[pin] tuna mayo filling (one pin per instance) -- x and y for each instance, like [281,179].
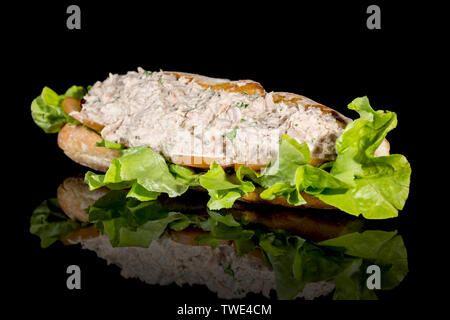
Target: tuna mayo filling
[177,117]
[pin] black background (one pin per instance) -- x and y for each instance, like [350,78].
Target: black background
[322,50]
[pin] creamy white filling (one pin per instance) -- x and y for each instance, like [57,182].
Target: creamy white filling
[180,117]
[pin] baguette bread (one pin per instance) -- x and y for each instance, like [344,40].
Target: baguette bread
[175,257]
[78,143]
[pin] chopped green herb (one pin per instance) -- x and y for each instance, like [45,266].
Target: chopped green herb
[241,104]
[147,73]
[160,81]
[245,93]
[229,271]
[243,120]
[296,124]
[232,134]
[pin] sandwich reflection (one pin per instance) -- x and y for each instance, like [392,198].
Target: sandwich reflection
[275,251]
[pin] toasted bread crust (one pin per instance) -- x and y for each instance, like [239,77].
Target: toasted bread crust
[252,87]
[78,144]
[311,202]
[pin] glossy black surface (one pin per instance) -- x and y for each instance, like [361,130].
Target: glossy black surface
[323,51]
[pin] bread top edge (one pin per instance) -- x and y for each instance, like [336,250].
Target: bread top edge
[286,97]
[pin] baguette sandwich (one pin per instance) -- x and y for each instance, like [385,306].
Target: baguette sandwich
[155,133]
[250,248]
[200,181]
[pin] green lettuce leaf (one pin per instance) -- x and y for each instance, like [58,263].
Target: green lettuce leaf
[185,175]
[380,184]
[131,223]
[47,111]
[380,247]
[224,190]
[223,226]
[291,155]
[144,234]
[292,174]
[344,259]
[244,246]
[285,190]
[144,170]
[109,145]
[96,181]
[357,182]
[50,223]
[314,181]
[295,261]
[186,221]
[351,281]
[281,257]
[77,92]
[142,194]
